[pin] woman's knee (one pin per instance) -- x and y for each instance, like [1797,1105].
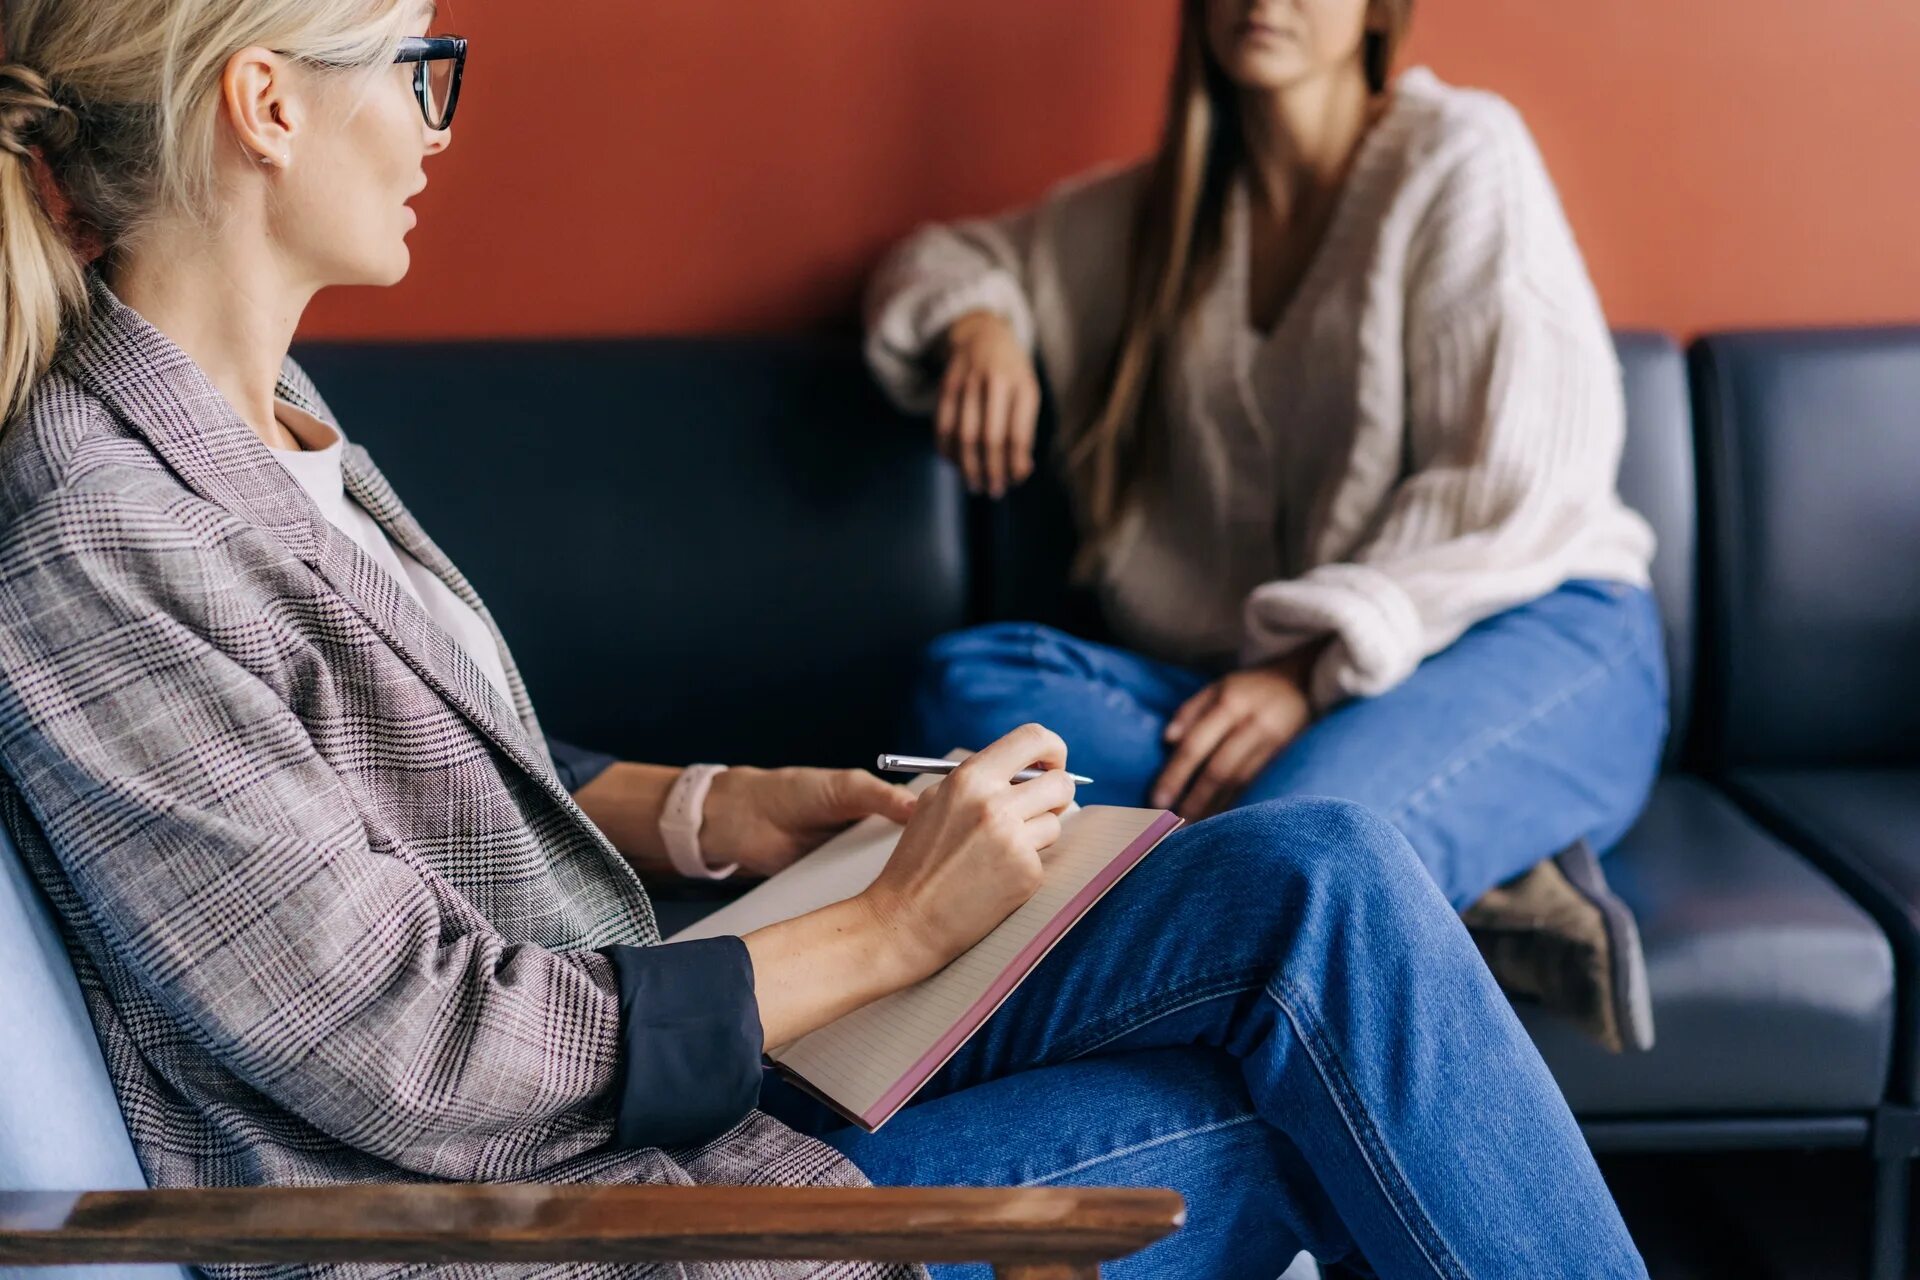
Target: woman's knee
[974,685]
[993,665]
[1292,829]
[1314,850]
[1006,648]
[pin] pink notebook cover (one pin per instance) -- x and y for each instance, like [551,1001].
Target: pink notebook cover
[1016,971]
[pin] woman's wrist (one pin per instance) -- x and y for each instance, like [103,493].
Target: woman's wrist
[899,942]
[682,819]
[970,325]
[1297,665]
[815,968]
[729,817]
[625,801]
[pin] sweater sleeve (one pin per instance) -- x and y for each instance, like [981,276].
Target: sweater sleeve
[1514,423]
[938,274]
[1055,271]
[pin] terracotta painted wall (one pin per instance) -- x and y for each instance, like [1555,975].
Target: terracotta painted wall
[654,166]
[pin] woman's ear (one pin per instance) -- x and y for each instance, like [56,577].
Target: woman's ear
[255,98]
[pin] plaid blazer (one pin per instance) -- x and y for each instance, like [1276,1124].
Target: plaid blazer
[335,917]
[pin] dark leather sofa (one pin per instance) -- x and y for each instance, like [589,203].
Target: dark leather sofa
[733,550]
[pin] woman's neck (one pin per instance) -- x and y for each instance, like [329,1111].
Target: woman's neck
[1301,139]
[230,309]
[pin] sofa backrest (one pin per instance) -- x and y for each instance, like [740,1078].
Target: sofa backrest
[643,514]
[60,1125]
[1810,449]
[1657,480]
[698,549]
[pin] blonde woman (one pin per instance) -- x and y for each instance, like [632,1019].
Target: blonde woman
[341,918]
[1341,421]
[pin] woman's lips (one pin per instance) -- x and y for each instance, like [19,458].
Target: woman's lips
[1254,30]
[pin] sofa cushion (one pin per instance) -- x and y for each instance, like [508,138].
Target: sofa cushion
[698,549]
[1863,827]
[1810,443]
[60,1124]
[1772,990]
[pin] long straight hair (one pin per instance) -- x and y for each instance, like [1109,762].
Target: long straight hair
[1179,237]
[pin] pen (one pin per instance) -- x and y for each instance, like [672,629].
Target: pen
[927,764]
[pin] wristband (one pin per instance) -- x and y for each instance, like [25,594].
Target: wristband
[681,818]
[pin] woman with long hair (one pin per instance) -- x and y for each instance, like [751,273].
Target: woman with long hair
[1340,419]
[343,914]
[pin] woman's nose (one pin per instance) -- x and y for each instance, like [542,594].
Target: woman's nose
[438,140]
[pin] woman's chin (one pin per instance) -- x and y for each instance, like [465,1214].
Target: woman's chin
[395,269]
[388,269]
[1261,71]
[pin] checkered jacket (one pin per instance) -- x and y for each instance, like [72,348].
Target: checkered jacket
[335,916]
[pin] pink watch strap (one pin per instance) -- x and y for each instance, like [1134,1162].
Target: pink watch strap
[681,818]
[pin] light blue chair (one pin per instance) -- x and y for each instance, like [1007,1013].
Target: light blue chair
[61,1131]
[60,1125]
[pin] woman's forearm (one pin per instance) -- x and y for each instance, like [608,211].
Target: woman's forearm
[625,803]
[815,968]
[808,970]
[968,859]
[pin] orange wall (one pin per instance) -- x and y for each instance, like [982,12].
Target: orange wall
[650,166]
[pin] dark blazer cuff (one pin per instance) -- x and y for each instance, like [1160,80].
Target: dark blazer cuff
[690,1027]
[576,765]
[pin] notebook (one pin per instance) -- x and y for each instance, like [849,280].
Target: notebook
[867,1064]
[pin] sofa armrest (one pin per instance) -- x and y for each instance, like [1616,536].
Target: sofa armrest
[1032,1232]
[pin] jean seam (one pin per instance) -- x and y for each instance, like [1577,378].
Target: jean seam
[1164,1005]
[1386,1171]
[1158,1140]
[1476,753]
[1034,639]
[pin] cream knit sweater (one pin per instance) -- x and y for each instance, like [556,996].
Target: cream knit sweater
[1430,435]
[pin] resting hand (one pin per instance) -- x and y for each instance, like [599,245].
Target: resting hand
[971,855]
[1223,736]
[766,819]
[989,404]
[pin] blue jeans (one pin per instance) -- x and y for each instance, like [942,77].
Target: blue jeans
[1538,727]
[1279,1015]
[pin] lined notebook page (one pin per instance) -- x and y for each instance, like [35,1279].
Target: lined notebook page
[872,1060]
[839,869]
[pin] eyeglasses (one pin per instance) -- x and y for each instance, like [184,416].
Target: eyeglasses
[439,63]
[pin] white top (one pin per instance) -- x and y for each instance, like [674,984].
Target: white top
[1431,433]
[317,468]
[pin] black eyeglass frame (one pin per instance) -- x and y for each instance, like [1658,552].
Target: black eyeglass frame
[420,50]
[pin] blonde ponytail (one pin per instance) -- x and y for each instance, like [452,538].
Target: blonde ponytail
[42,288]
[110,112]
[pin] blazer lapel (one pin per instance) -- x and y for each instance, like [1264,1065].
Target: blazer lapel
[434,655]
[157,389]
[368,487]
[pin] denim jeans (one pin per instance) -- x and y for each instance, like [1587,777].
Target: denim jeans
[1279,1015]
[1538,727]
